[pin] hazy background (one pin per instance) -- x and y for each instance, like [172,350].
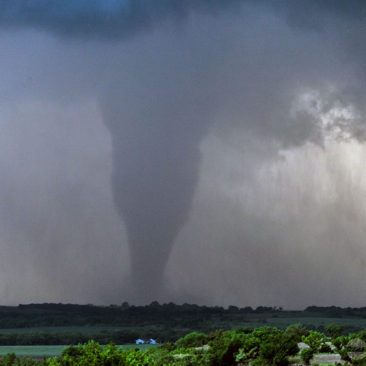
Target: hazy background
[218,149]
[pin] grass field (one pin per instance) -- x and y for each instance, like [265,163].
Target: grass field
[32,350]
[50,351]
[250,321]
[280,320]
[283,322]
[69,329]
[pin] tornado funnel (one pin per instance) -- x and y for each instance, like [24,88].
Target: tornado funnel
[155,170]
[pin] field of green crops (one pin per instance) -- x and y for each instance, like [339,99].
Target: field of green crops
[32,350]
[50,351]
[68,329]
[251,321]
[156,331]
[314,322]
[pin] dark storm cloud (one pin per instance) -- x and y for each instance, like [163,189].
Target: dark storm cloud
[100,18]
[120,18]
[248,90]
[318,14]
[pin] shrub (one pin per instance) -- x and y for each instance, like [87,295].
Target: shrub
[297,331]
[276,348]
[8,360]
[344,354]
[193,339]
[334,331]
[359,360]
[340,342]
[12,360]
[325,348]
[314,340]
[307,354]
[224,346]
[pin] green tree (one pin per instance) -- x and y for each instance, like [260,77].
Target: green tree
[334,330]
[306,355]
[297,331]
[193,339]
[314,340]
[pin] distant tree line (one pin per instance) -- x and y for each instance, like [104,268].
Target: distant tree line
[165,322]
[38,315]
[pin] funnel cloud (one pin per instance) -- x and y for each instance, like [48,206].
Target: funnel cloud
[190,151]
[155,171]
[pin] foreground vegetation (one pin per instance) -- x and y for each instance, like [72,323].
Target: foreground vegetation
[264,346]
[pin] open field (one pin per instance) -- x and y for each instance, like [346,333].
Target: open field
[249,321]
[50,351]
[32,351]
[283,321]
[68,329]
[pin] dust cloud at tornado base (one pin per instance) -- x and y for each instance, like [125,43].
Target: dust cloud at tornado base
[264,152]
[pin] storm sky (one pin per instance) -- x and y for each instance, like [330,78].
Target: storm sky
[202,151]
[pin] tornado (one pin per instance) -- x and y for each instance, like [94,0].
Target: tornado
[156,160]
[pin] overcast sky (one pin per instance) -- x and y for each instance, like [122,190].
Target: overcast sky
[190,151]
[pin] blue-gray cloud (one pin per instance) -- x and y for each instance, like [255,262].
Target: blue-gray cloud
[100,18]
